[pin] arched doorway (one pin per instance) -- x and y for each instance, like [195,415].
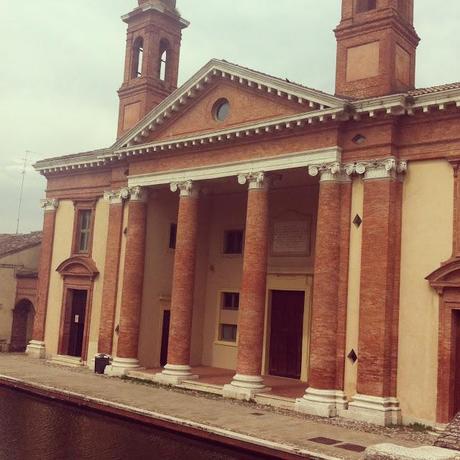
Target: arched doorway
[23,322]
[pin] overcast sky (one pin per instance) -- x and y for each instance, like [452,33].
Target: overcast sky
[62,62]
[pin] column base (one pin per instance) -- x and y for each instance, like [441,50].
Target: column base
[36,349]
[121,366]
[175,374]
[323,403]
[374,409]
[245,387]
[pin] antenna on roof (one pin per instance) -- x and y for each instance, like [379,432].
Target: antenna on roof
[23,173]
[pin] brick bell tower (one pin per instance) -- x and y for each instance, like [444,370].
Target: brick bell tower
[376,47]
[152,59]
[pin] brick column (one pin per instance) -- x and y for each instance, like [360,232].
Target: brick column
[36,347]
[180,330]
[111,270]
[248,380]
[325,396]
[379,299]
[133,277]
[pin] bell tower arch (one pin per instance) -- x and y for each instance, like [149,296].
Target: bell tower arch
[376,48]
[152,59]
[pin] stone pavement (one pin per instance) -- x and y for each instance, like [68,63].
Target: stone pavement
[237,420]
[450,438]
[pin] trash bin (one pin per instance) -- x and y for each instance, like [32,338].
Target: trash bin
[101,362]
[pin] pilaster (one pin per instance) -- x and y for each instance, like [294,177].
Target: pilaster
[36,347]
[375,400]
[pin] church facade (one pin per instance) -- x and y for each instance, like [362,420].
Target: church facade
[248,224]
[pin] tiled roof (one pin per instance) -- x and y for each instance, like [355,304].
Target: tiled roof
[10,244]
[434,89]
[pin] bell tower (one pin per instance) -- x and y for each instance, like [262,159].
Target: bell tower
[152,59]
[376,48]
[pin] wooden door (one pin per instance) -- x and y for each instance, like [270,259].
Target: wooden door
[285,355]
[456,345]
[77,322]
[165,338]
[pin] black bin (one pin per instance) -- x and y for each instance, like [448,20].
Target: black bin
[100,363]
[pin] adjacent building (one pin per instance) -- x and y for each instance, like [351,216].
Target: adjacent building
[19,256]
[244,230]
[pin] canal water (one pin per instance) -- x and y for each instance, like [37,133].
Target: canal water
[33,428]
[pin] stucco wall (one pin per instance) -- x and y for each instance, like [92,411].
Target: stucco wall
[27,259]
[61,251]
[98,254]
[427,226]
[354,267]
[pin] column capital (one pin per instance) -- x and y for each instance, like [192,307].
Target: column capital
[186,188]
[329,172]
[384,168]
[117,197]
[257,180]
[138,194]
[49,204]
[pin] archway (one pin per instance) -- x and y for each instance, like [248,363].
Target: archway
[23,321]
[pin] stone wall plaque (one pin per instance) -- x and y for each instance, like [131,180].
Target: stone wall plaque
[291,238]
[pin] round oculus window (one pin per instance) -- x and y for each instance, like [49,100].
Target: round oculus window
[221,110]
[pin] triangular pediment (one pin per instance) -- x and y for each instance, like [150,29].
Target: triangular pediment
[253,97]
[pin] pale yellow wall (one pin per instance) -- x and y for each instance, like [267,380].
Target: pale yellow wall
[161,213]
[354,272]
[27,259]
[98,254]
[61,251]
[427,226]
[228,212]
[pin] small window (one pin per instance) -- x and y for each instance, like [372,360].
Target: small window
[365,5]
[230,301]
[221,110]
[164,57]
[84,230]
[138,57]
[228,332]
[233,242]
[172,236]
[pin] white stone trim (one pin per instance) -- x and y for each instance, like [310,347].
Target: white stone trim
[49,204]
[121,366]
[329,172]
[374,409]
[117,197]
[245,387]
[138,193]
[36,349]
[289,161]
[186,188]
[324,403]
[256,181]
[174,374]
[385,168]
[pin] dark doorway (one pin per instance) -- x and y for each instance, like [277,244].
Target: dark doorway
[165,338]
[456,345]
[77,322]
[21,330]
[286,333]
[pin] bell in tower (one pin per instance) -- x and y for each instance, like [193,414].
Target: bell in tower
[152,59]
[376,48]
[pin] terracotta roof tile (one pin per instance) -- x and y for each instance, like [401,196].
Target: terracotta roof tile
[10,244]
[434,89]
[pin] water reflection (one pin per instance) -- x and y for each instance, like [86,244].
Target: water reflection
[37,429]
